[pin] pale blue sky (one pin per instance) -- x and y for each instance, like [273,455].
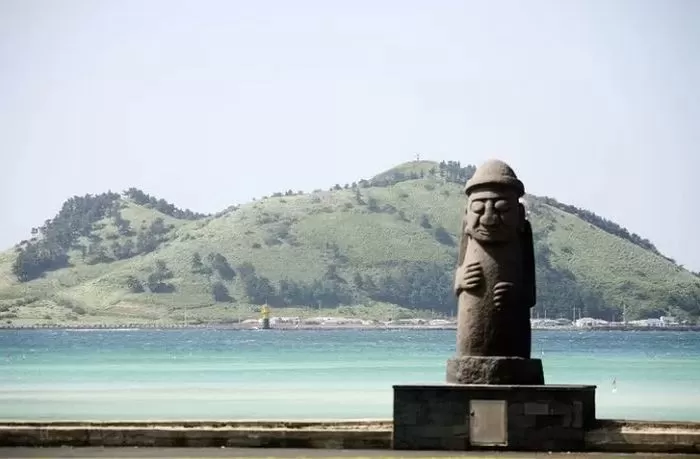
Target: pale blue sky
[211,103]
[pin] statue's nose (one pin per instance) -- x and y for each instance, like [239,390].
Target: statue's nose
[489,218]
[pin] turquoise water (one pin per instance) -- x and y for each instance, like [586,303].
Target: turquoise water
[307,374]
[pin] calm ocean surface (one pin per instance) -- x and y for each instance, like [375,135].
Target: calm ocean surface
[334,374]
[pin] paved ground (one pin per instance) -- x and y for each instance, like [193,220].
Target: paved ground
[201,453]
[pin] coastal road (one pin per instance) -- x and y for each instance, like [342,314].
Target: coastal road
[202,453]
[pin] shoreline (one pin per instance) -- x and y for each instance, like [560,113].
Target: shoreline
[305,327]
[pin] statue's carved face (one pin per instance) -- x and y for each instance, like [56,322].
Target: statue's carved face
[493,215]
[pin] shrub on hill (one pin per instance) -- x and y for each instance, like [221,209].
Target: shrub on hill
[134,285]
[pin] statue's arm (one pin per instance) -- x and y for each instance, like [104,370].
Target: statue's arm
[529,284]
[468,276]
[459,272]
[464,239]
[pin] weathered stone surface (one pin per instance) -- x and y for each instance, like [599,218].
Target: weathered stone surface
[494,370]
[537,418]
[495,278]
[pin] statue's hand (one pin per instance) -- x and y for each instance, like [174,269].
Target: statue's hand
[501,293]
[469,277]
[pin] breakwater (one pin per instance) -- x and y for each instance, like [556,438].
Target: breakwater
[606,436]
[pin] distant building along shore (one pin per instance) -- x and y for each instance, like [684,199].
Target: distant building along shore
[331,323]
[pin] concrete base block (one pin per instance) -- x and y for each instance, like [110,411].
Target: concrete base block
[481,416]
[494,370]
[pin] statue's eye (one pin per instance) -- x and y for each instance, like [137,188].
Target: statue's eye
[477,207]
[502,205]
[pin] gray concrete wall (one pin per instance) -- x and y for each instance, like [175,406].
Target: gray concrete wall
[606,436]
[192,434]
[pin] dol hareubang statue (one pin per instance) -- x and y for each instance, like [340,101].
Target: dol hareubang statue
[495,284]
[495,396]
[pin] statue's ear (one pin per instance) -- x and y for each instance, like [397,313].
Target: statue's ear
[521,216]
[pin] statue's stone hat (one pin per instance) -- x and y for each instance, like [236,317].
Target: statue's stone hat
[495,172]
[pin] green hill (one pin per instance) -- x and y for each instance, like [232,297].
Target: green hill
[379,248]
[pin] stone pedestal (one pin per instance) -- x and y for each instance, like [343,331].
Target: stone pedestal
[495,370]
[485,416]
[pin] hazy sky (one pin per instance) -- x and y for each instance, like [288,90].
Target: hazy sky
[212,103]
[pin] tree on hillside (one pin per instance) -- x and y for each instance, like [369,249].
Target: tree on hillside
[419,285]
[450,171]
[198,266]
[358,281]
[358,197]
[123,226]
[370,286]
[258,289]
[35,259]
[197,261]
[58,235]
[158,227]
[156,280]
[123,251]
[161,205]
[291,293]
[604,224]
[443,237]
[220,292]
[146,242]
[220,264]
[331,290]
[372,204]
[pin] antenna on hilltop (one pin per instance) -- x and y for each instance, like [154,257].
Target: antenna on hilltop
[417,157]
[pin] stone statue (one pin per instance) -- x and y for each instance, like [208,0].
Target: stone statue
[495,284]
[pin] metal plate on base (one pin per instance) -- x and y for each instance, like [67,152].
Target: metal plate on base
[488,423]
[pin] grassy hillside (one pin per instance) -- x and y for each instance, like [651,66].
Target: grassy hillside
[381,248]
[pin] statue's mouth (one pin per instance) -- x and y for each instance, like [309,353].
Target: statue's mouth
[487,231]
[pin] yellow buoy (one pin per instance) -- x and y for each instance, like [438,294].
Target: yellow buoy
[265,317]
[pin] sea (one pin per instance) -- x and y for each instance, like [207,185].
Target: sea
[219,374]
